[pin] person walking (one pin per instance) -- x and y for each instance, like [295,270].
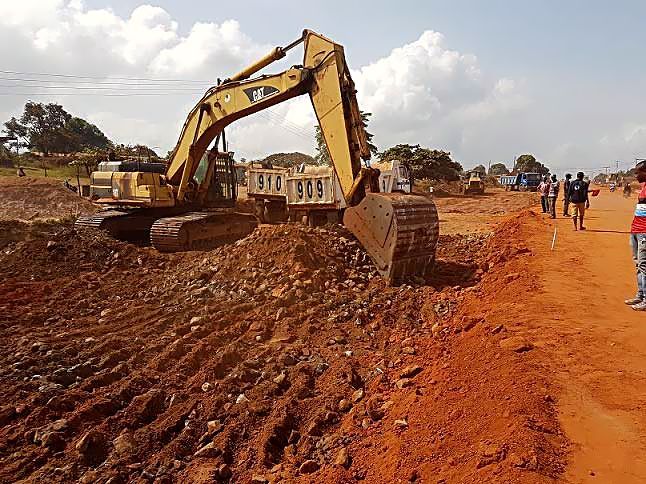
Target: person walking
[566,196]
[544,189]
[578,195]
[552,195]
[638,241]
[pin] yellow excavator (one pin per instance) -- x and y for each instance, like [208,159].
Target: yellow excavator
[190,204]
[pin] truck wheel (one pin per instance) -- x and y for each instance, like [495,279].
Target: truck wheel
[259,211]
[275,212]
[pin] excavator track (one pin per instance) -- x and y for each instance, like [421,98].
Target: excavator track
[200,230]
[98,220]
[399,231]
[128,225]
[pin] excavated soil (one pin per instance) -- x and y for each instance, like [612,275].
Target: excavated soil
[38,199]
[280,358]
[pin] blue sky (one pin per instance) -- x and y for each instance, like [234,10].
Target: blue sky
[574,70]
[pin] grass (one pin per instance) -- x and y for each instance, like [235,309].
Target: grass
[56,173]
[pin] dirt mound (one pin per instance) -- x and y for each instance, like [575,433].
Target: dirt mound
[47,250]
[288,160]
[282,356]
[31,199]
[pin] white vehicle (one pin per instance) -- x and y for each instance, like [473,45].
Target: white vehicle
[268,186]
[311,194]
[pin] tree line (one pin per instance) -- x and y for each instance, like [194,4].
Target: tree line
[49,128]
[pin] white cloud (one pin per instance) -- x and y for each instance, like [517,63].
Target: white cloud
[426,93]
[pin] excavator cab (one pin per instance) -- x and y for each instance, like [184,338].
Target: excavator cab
[216,172]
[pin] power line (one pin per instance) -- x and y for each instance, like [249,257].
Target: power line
[92,94]
[100,88]
[101,82]
[282,120]
[71,76]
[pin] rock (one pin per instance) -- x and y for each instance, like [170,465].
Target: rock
[516,343]
[294,437]
[344,405]
[92,447]
[342,458]
[358,395]
[54,441]
[308,467]
[400,424]
[402,383]
[410,371]
[468,322]
[258,479]
[490,454]
[51,245]
[375,409]
[209,450]
[213,426]
[408,350]
[207,387]
[195,320]
[60,425]
[497,329]
[7,413]
[242,398]
[280,378]
[512,277]
[125,444]
[223,472]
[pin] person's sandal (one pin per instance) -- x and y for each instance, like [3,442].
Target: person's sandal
[633,301]
[640,307]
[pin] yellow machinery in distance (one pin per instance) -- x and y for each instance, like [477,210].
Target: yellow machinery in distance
[190,205]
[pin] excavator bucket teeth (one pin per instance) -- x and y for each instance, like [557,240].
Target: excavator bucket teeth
[399,231]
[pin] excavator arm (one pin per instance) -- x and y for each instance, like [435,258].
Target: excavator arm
[324,75]
[399,231]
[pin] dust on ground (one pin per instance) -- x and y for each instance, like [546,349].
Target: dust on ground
[282,357]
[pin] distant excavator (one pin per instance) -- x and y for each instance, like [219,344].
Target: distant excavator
[189,204]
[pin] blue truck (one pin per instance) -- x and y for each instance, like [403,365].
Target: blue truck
[523,182]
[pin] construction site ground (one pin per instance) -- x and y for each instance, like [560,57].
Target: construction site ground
[285,358]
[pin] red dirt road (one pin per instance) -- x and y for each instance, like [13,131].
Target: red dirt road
[594,345]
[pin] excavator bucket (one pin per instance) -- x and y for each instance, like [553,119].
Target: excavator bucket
[399,231]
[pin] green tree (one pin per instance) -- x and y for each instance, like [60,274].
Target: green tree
[13,129]
[480,169]
[529,164]
[45,124]
[424,162]
[322,156]
[498,169]
[84,135]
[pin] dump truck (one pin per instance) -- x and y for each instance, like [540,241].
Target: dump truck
[192,204]
[312,194]
[524,182]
